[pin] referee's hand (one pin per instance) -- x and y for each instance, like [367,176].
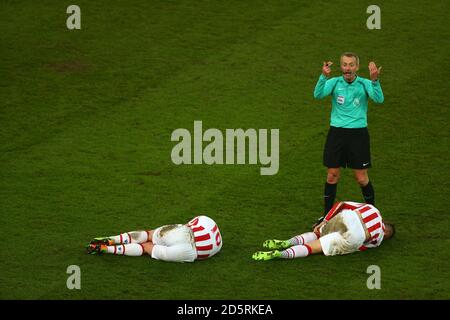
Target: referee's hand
[326,70]
[374,71]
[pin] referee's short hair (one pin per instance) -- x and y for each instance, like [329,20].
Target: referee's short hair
[351,54]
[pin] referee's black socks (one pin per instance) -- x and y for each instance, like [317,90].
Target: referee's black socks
[329,195]
[368,193]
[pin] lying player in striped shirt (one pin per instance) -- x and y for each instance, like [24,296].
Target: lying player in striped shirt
[348,227]
[198,239]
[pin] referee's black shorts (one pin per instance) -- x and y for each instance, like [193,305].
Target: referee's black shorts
[347,148]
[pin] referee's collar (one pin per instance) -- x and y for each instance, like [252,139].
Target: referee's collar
[354,80]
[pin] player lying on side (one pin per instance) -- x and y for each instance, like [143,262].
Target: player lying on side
[348,227]
[199,239]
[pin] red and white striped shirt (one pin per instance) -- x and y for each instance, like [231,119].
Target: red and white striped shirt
[370,216]
[208,239]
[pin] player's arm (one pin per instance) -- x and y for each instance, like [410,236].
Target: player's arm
[324,86]
[369,245]
[374,87]
[338,206]
[316,229]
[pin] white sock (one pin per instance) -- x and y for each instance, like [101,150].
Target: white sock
[299,251]
[132,249]
[131,237]
[303,238]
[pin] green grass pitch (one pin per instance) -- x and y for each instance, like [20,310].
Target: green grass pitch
[87,115]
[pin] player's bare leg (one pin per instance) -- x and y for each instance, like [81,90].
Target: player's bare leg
[148,247]
[316,247]
[362,177]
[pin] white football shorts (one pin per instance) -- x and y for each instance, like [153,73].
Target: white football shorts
[346,237]
[174,243]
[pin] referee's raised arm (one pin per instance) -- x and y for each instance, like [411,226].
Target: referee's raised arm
[375,93]
[326,68]
[324,87]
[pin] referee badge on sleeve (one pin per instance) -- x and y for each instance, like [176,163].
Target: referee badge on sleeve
[340,99]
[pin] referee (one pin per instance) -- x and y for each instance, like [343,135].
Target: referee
[348,143]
